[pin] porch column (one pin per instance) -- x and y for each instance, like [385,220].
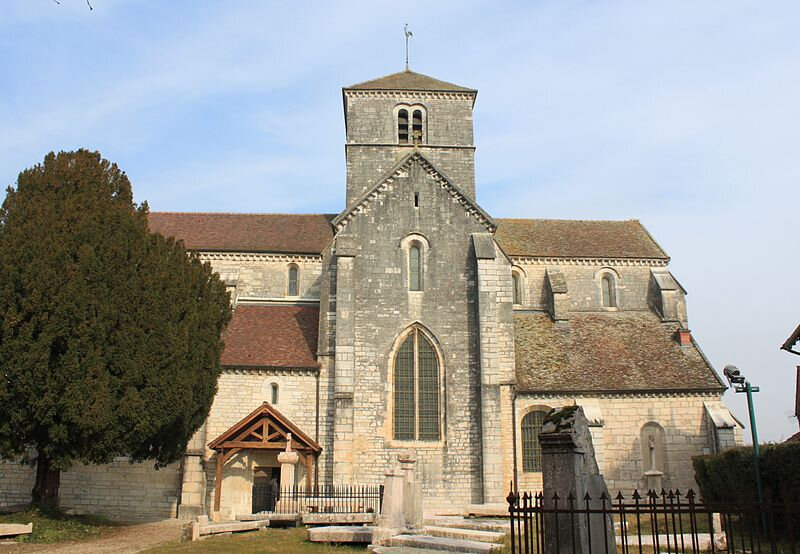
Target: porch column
[218,480]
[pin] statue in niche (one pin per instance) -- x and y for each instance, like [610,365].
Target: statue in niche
[651,445]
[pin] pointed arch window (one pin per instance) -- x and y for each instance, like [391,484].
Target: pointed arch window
[292,288]
[415,267]
[402,126]
[416,390]
[608,291]
[531,449]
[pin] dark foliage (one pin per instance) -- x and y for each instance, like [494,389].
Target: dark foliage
[109,335]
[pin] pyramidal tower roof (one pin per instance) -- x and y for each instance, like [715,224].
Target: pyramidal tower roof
[408,80]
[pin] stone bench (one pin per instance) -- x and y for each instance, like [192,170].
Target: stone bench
[197,530]
[15,529]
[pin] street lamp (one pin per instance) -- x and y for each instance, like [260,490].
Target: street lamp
[739,384]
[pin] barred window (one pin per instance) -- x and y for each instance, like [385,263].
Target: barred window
[292,288]
[414,268]
[416,390]
[531,449]
[607,284]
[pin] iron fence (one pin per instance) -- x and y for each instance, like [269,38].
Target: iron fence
[333,499]
[665,522]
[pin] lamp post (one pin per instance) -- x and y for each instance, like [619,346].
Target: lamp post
[739,384]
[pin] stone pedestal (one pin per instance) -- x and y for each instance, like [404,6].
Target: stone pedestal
[654,480]
[569,468]
[412,491]
[288,461]
[391,521]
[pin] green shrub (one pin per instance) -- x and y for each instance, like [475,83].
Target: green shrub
[730,476]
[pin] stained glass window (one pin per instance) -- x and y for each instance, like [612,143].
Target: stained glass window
[292,288]
[416,390]
[414,268]
[608,291]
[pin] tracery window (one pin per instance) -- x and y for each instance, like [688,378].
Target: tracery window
[416,390]
[531,449]
[608,291]
[415,267]
[292,288]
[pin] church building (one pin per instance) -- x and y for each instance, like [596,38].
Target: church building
[412,319]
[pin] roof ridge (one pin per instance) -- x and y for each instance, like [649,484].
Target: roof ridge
[570,220]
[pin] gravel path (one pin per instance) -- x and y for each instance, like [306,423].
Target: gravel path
[131,538]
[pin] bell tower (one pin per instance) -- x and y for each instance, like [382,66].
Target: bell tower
[388,117]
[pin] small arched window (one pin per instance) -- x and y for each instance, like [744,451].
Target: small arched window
[402,126]
[531,449]
[608,291]
[274,393]
[415,267]
[517,281]
[416,390]
[292,289]
[416,127]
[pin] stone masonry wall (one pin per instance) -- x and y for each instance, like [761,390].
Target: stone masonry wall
[619,449]
[266,276]
[119,490]
[239,392]
[383,307]
[583,284]
[372,148]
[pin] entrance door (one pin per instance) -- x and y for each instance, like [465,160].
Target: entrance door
[266,488]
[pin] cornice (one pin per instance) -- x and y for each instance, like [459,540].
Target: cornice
[623,262]
[258,257]
[259,370]
[703,393]
[440,95]
[341,221]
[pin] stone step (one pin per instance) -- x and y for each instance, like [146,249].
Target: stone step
[400,550]
[340,534]
[442,544]
[464,534]
[487,510]
[458,522]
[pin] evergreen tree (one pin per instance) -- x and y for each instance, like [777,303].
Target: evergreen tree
[109,334]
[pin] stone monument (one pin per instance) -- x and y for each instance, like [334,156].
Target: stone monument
[569,468]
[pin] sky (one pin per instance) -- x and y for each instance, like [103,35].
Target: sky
[682,114]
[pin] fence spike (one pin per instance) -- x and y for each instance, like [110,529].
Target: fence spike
[671,495]
[690,494]
[587,496]
[555,496]
[619,496]
[636,495]
[570,496]
[663,492]
[604,496]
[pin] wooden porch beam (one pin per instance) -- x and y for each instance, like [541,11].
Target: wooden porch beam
[218,481]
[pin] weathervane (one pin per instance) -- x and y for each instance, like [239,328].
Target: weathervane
[408,35]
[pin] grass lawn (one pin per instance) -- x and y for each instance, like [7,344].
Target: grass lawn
[283,541]
[52,526]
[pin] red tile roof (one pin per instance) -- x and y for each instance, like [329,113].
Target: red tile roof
[622,351]
[564,238]
[312,233]
[272,336]
[280,233]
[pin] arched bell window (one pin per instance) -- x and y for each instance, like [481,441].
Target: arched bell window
[531,449]
[416,127]
[608,291]
[416,389]
[402,126]
[292,288]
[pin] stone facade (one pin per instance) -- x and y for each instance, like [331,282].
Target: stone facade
[479,283]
